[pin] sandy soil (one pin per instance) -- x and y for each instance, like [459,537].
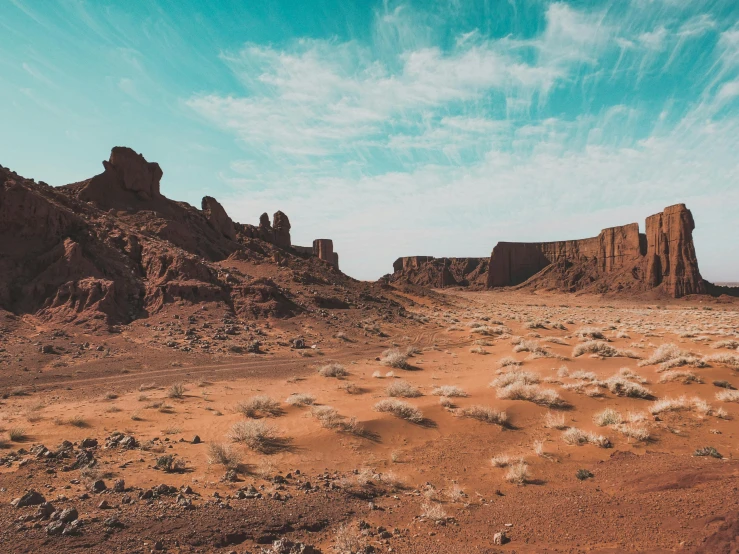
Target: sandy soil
[362,480]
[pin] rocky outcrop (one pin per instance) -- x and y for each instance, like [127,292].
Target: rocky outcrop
[281,230]
[217,217]
[323,249]
[618,258]
[671,260]
[440,272]
[112,248]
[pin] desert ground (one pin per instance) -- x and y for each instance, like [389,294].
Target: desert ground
[483,422]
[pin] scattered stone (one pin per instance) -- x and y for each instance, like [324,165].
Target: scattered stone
[31,498]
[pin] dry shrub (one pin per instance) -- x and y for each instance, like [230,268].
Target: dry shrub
[333,370]
[176,391]
[395,358]
[433,511]
[449,391]
[577,437]
[486,414]
[554,421]
[402,389]
[300,399]
[259,406]
[609,416]
[400,409]
[531,393]
[518,474]
[685,377]
[728,396]
[223,454]
[257,435]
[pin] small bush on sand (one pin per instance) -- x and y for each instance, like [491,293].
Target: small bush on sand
[395,358]
[684,377]
[531,393]
[583,474]
[508,361]
[728,396]
[609,416]
[500,461]
[518,474]
[176,391]
[663,353]
[590,333]
[602,349]
[449,391]
[554,421]
[223,454]
[576,437]
[433,511]
[257,435]
[327,416]
[486,415]
[400,409]
[259,406]
[669,405]
[347,540]
[621,386]
[17,434]
[300,399]
[402,389]
[333,370]
[515,376]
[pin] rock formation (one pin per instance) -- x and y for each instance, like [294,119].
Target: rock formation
[441,272]
[324,250]
[217,217]
[618,258]
[112,248]
[281,230]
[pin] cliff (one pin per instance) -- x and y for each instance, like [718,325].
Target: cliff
[619,258]
[440,272]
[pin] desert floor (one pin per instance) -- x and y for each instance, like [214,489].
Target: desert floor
[555,423]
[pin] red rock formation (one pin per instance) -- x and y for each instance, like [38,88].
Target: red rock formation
[440,272]
[217,217]
[671,259]
[135,172]
[281,230]
[324,250]
[619,257]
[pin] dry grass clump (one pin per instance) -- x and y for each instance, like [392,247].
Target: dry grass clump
[348,540]
[518,474]
[257,435]
[486,415]
[351,388]
[534,347]
[448,391]
[730,344]
[590,333]
[508,361]
[500,461]
[682,361]
[728,396]
[556,340]
[400,409]
[17,434]
[685,377]
[577,437]
[532,393]
[663,353]
[300,399]
[478,350]
[446,402]
[602,349]
[223,454]
[621,386]
[515,376]
[433,511]
[581,375]
[327,416]
[724,358]
[554,421]
[176,391]
[670,405]
[395,358]
[634,431]
[333,370]
[609,416]
[259,406]
[402,389]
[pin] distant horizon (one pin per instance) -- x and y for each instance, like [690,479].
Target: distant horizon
[393,128]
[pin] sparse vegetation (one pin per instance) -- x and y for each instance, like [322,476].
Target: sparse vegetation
[518,474]
[400,409]
[402,389]
[486,415]
[449,391]
[257,435]
[259,406]
[223,454]
[395,358]
[333,370]
[176,391]
[300,399]
[609,416]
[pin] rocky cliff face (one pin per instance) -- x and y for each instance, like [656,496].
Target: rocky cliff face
[440,272]
[324,250]
[112,248]
[618,258]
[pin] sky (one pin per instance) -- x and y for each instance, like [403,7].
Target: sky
[394,128]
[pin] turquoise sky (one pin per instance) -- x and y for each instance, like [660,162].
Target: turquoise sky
[409,128]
